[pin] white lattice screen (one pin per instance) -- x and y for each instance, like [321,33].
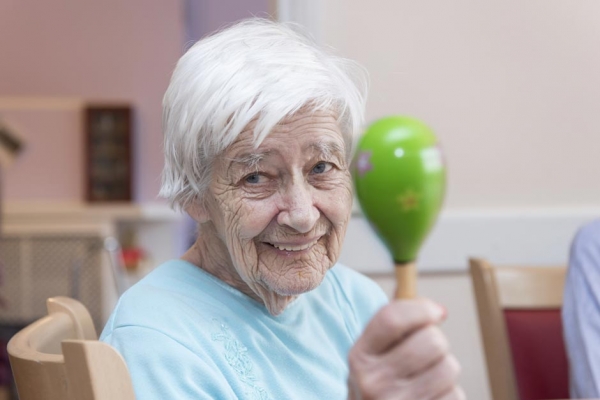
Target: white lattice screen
[38,266]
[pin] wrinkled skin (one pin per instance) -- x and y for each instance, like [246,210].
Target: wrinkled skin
[272,224]
[275,217]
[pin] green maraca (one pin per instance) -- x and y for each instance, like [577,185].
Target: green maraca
[400,180]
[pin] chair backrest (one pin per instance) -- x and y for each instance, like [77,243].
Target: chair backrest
[519,317]
[59,357]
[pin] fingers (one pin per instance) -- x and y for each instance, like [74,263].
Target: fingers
[457,393]
[403,354]
[421,350]
[438,382]
[395,321]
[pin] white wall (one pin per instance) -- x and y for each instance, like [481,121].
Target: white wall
[510,87]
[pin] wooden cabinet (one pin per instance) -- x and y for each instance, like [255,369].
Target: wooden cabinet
[108,134]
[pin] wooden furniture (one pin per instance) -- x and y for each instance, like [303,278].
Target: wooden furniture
[59,357]
[521,327]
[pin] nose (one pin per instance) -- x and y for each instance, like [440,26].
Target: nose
[298,211]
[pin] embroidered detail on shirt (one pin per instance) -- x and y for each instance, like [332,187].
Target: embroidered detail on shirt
[236,355]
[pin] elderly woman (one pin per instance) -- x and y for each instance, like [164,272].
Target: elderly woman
[259,126]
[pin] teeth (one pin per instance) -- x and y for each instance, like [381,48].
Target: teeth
[295,248]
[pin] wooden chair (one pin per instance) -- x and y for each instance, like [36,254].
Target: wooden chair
[59,357]
[521,327]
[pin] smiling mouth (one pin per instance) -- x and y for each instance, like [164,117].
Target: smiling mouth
[293,247]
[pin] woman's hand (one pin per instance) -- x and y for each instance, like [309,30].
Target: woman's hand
[402,354]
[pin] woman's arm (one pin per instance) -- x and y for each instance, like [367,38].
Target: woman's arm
[581,313]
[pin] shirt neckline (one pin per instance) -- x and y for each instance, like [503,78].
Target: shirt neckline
[242,297]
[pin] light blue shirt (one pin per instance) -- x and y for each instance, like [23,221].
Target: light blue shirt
[581,313]
[187,335]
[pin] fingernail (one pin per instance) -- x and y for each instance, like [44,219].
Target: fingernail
[444,311]
[438,312]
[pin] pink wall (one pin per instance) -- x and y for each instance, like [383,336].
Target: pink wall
[50,168]
[209,15]
[96,51]
[108,50]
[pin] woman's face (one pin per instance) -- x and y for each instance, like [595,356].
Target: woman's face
[282,209]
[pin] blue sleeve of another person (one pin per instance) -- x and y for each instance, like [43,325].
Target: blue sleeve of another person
[581,313]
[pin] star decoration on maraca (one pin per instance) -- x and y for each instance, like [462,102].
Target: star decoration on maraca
[363,163]
[409,200]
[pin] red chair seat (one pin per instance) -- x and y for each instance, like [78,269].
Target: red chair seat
[538,353]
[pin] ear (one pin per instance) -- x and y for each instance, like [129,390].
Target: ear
[197,210]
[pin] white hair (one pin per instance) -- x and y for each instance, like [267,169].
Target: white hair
[257,70]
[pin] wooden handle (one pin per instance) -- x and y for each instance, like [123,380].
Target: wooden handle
[406,280]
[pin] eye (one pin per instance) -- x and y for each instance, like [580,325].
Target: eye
[254,178]
[321,167]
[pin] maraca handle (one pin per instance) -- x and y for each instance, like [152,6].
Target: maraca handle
[406,280]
